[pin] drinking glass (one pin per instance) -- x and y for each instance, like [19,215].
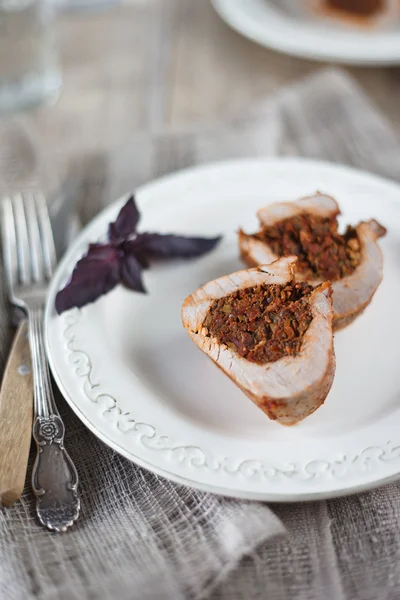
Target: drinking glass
[29,69]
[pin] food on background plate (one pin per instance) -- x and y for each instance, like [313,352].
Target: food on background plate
[272,335]
[359,7]
[361,12]
[308,229]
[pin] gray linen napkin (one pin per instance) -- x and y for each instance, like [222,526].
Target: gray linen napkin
[141,537]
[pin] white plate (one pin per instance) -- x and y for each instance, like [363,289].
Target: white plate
[128,369]
[295,28]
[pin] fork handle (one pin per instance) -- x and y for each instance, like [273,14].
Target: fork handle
[54,477]
[16,409]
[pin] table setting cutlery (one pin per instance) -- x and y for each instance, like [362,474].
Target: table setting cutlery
[29,259]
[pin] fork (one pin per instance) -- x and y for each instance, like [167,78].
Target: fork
[29,259]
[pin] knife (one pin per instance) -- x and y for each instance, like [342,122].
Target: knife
[16,413]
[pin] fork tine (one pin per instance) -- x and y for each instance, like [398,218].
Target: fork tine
[35,245]
[48,247]
[9,243]
[23,253]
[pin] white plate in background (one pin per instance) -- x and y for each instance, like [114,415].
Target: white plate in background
[294,27]
[131,373]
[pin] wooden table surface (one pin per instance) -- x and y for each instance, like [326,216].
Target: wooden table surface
[155,63]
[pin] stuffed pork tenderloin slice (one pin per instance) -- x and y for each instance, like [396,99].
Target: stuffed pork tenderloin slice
[308,228]
[270,334]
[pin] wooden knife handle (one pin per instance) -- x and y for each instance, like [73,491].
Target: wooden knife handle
[16,414]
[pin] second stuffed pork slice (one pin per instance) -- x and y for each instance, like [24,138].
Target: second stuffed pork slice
[270,334]
[308,228]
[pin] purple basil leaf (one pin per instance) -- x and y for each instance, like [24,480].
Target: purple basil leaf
[132,248]
[157,245]
[126,222]
[95,274]
[131,273]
